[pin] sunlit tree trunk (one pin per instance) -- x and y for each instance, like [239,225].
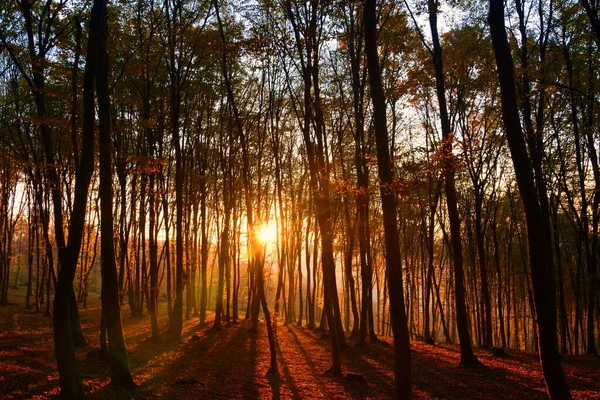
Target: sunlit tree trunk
[256,250]
[319,172]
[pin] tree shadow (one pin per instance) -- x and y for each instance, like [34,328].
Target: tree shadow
[349,386]
[436,372]
[286,381]
[217,365]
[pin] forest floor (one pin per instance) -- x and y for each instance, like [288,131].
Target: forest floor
[233,363]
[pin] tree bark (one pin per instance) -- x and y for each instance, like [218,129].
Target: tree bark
[542,278]
[402,357]
[467,358]
[119,363]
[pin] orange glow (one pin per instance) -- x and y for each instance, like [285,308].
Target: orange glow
[267,233]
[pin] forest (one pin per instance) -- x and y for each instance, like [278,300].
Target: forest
[299,199]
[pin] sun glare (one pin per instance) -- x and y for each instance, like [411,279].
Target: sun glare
[267,233]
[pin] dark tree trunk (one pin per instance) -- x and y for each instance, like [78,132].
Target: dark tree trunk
[483,270]
[173,14]
[254,245]
[203,251]
[69,378]
[499,282]
[591,248]
[223,263]
[319,174]
[542,277]
[119,363]
[403,379]
[467,358]
[592,12]
[349,252]
[154,287]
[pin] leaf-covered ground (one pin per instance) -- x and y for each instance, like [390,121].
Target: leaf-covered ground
[233,363]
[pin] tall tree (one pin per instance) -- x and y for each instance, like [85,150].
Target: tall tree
[256,257]
[307,28]
[467,357]
[39,44]
[542,274]
[393,260]
[111,310]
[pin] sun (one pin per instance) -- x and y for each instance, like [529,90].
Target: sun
[267,233]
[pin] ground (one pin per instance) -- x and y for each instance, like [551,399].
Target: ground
[233,363]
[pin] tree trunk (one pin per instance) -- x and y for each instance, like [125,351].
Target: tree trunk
[541,270]
[403,379]
[176,321]
[203,251]
[119,363]
[467,358]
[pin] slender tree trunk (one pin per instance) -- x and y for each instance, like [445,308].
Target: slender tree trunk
[591,248]
[403,379]
[467,358]
[119,363]
[483,270]
[500,280]
[255,248]
[203,251]
[69,378]
[176,320]
[541,271]
[223,263]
